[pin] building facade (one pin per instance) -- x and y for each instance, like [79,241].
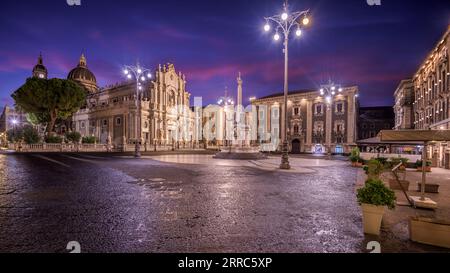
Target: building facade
[314,126]
[111,113]
[228,123]
[431,98]
[403,109]
[10,119]
[432,89]
[372,120]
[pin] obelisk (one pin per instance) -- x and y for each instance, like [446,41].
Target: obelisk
[239,91]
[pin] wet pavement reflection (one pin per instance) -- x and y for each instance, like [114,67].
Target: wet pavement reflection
[114,204]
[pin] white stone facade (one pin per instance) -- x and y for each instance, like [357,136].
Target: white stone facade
[111,113]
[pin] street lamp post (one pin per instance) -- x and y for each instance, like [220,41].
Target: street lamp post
[141,75]
[285,23]
[329,91]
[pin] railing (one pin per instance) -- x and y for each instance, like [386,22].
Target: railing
[70,147]
[58,147]
[411,158]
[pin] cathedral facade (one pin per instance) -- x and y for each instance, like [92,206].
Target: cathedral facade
[111,113]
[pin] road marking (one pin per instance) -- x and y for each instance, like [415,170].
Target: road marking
[79,159]
[91,156]
[52,160]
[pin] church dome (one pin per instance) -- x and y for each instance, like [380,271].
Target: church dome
[83,75]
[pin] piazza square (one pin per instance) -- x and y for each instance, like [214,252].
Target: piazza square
[158,136]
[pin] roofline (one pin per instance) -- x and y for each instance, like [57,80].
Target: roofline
[298,92]
[447,33]
[402,83]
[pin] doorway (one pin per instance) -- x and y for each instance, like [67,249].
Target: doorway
[296,146]
[339,150]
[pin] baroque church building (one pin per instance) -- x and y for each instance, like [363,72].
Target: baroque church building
[111,113]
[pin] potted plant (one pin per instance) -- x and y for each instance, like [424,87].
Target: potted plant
[374,198]
[397,160]
[355,158]
[419,166]
[374,169]
[397,183]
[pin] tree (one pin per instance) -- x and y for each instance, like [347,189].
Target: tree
[49,100]
[14,135]
[27,133]
[30,135]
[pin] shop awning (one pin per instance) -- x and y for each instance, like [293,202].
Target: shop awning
[377,141]
[415,135]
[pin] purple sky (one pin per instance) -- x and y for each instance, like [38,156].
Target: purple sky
[348,42]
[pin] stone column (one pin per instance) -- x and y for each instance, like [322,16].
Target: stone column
[351,123]
[125,128]
[282,123]
[111,129]
[309,124]
[329,125]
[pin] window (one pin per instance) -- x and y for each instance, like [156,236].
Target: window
[296,111]
[340,107]
[319,109]
[118,121]
[115,100]
[276,113]
[364,126]
[261,115]
[83,125]
[105,122]
[276,133]
[296,129]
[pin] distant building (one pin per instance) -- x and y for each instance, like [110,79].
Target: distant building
[404,112]
[429,93]
[432,88]
[10,119]
[229,123]
[314,126]
[374,119]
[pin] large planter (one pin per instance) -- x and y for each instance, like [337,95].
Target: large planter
[427,169]
[429,188]
[393,184]
[372,217]
[430,232]
[357,164]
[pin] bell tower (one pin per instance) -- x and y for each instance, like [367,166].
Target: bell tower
[39,70]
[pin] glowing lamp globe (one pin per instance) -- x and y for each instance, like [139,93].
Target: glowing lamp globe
[276,37]
[305,21]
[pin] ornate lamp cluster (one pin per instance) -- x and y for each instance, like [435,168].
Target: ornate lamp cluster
[284,23]
[329,91]
[141,75]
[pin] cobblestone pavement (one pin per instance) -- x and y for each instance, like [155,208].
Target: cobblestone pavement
[119,204]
